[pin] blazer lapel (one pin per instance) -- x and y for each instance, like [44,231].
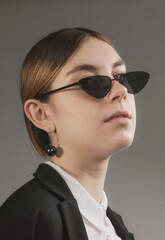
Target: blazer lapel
[68,207]
[119,226]
[73,220]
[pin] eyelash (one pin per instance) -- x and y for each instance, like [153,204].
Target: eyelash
[118,74]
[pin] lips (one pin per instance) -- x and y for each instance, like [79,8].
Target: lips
[118,114]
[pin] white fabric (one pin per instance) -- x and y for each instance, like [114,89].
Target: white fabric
[98,225]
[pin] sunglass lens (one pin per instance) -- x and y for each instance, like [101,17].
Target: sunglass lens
[96,86]
[134,81]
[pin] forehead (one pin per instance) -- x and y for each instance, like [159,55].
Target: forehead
[93,51]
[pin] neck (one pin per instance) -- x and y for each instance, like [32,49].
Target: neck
[91,175]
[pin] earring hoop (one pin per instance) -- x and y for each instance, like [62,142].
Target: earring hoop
[51,150]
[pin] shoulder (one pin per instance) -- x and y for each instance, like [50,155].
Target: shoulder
[30,198]
[29,209]
[30,195]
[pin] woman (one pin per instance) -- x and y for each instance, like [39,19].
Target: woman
[79,110]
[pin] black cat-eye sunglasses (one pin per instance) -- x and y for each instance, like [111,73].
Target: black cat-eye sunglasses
[98,86]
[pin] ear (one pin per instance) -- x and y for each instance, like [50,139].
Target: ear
[37,113]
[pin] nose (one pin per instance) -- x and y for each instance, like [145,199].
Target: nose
[117,92]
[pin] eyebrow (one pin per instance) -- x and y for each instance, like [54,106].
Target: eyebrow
[120,62]
[93,68]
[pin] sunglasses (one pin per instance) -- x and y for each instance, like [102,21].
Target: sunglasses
[99,86]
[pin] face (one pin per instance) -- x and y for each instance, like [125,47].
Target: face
[79,119]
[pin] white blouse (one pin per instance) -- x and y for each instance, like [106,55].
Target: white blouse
[98,225]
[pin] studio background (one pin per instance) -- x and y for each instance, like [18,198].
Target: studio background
[135,178]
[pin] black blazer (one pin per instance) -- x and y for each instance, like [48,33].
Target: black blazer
[45,209]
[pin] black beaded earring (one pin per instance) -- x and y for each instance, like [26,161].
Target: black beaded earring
[51,151]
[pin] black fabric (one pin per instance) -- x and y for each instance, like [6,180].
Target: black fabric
[44,209]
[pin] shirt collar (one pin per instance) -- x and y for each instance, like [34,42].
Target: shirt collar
[90,209]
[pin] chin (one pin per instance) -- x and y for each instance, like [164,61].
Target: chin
[124,146]
[121,144]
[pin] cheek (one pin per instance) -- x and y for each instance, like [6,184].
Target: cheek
[73,117]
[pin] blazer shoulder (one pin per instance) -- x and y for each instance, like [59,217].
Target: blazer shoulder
[31,212]
[31,197]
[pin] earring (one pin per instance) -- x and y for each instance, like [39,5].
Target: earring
[51,151]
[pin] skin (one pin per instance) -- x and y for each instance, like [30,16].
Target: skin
[76,119]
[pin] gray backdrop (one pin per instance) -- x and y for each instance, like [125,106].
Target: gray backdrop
[135,179]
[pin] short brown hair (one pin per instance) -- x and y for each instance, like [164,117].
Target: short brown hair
[42,64]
